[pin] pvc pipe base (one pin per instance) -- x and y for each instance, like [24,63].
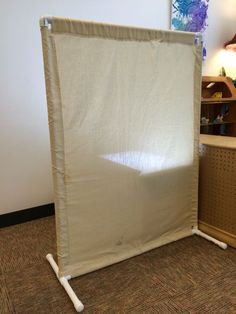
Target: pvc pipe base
[64,282]
[196,231]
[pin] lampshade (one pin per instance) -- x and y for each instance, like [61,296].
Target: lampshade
[231,45]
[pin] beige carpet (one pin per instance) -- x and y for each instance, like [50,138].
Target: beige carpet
[188,276]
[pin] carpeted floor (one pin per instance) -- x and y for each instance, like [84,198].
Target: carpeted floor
[188,276]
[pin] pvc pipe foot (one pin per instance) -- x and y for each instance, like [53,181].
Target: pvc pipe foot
[64,282]
[196,231]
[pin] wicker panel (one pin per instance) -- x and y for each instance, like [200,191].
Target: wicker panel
[217,187]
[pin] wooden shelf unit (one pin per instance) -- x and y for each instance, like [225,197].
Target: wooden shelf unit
[218,99]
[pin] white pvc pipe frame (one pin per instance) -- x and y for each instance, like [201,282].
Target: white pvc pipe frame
[46,22]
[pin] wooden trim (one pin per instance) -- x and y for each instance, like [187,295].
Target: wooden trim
[220,79]
[217,233]
[25,215]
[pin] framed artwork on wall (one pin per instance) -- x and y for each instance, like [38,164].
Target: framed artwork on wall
[190,16]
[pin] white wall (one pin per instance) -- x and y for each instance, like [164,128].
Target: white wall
[25,178]
[221,28]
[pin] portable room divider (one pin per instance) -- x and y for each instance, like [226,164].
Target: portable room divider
[123,106]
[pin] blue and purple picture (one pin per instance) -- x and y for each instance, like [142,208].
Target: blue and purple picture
[190,16]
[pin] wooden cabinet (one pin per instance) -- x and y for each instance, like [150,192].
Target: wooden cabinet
[217,184]
[218,106]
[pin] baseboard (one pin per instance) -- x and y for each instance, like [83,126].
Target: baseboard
[217,233]
[25,215]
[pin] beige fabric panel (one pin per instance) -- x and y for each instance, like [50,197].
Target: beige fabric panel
[124,122]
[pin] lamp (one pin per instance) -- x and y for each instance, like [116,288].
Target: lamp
[231,45]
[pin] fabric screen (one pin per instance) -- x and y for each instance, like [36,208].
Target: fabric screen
[123,106]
